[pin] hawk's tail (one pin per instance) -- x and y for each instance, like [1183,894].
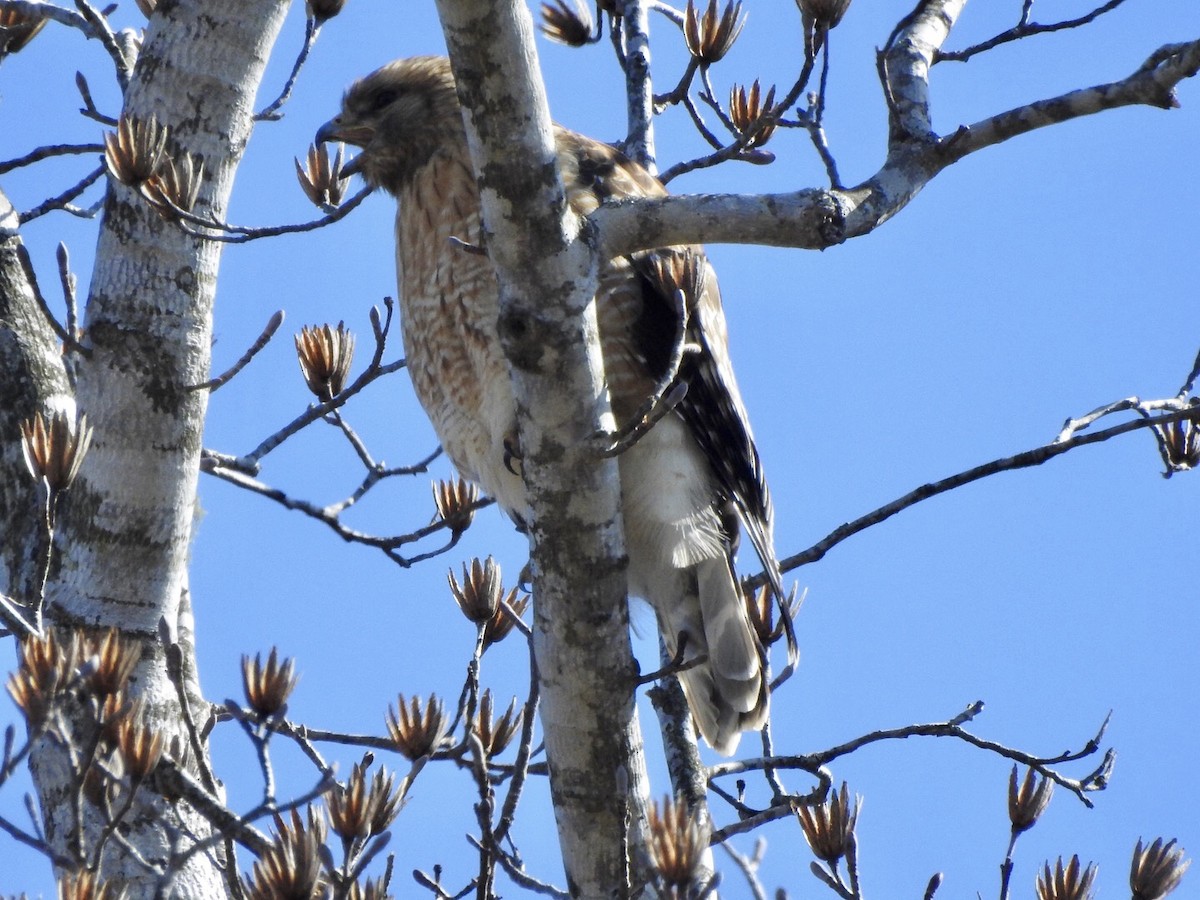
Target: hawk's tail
[727,693]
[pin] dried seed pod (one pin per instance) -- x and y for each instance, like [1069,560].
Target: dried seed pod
[47,665]
[147,7]
[496,734]
[1027,803]
[320,176]
[480,593]
[115,658]
[268,686]
[325,354]
[361,808]
[570,25]
[140,747]
[829,826]
[501,624]
[17,29]
[323,10]
[291,866]
[54,449]
[174,185]
[710,36]
[372,890]
[417,732]
[1156,870]
[1066,882]
[1180,441]
[114,710]
[134,152]
[455,502]
[749,112]
[827,13]
[678,841]
[86,885]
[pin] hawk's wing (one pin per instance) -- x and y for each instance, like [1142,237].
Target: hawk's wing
[594,173]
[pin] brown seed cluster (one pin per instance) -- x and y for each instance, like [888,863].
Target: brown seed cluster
[363,807]
[112,662]
[496,734]
[1157,869]
[417,731]
[323,10]
[136,155]
[455,502]
[86,885]
[99,666]
[174,186]
[140,747]
[829,827]
[46,666]
[325,354]
[1068,882]
[1027,802]
[570,25]
[749,111]
[482,600]
[291,867]
[17,29]
[678,841]
[711,35]
[54,448]
[1180,442]
[827,13]
[320,176]
[371,890]
[268,685]
[133,152]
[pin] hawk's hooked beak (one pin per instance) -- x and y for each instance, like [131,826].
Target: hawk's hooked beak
[358,135]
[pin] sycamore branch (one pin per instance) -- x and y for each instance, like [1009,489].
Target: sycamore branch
[816,219]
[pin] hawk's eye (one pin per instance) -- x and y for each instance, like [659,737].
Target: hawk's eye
[383,99]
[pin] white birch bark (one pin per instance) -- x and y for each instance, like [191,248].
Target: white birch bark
[547,272]
[125,525]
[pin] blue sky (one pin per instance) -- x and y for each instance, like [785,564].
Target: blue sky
[1030,282]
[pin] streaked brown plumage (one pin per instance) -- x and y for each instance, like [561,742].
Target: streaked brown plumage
[685,483]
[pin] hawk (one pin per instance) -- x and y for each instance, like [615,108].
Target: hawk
[686,482]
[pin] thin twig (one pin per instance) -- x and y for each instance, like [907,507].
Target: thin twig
[89,110]
[1035,457]
[47,152]
[272,113]
[1023,29]
[63,200]
[67,338]
[241,234]
[267,333]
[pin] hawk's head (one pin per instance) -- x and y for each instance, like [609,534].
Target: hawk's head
[400,115]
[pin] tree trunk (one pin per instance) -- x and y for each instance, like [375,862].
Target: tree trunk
[547,272]
[125,526]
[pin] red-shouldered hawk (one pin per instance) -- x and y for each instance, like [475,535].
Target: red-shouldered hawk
[686,482]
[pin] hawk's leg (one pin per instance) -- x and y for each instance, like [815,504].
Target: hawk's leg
[666,395]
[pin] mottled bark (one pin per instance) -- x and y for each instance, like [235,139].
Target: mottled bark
[547,272]
[32,379]
[125,525]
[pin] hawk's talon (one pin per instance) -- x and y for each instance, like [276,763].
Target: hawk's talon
[650,414]
[512,452]
[676,663]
